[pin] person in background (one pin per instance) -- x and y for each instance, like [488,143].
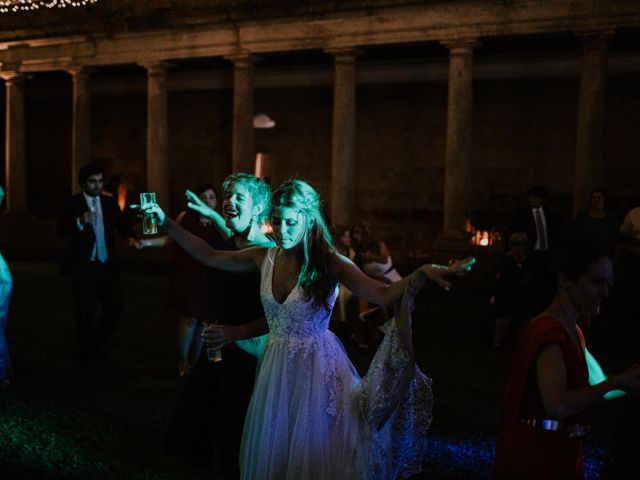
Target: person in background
[342,241]
[374,258]
[596,224]
[629,272]
[625,419]
[372,255]
[545,231]
[514,299]
[554,380]
[5,295]
[89,221]
[190,282]
[209,416]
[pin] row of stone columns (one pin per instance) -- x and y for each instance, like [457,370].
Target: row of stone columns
[591,116]
[458,161]
[157,132]
[15,169]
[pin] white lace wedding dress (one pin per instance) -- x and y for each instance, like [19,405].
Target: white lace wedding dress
[311,416]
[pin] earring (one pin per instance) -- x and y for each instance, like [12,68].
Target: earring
[252,234]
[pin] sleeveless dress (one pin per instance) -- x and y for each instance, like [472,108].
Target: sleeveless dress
[312,417]
[528,453]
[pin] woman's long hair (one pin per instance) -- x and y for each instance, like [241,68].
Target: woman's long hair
[317,246]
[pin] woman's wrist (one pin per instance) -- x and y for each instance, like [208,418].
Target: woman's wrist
[168,224]
[426,270]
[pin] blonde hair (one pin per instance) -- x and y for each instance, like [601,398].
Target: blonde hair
[317,246]
[257,188]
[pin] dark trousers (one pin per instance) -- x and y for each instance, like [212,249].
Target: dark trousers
[210,413]
[92,285]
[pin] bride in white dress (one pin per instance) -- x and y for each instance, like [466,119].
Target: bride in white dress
[311,416]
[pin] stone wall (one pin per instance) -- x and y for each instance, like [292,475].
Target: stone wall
[523,134]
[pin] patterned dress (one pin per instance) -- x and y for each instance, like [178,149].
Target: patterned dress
[311,416]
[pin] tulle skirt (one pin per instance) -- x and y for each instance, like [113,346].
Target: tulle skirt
[311,416]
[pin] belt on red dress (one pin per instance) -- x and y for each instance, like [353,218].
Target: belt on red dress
[543,424]
[574,430]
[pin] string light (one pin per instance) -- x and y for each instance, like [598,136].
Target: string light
[29,5]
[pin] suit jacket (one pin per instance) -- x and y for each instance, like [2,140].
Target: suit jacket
[523,221]
[81,242]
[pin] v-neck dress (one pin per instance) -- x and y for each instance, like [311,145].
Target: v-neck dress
[310,416]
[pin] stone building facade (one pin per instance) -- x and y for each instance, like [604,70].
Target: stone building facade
[420,117]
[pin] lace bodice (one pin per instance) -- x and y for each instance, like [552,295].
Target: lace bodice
[296,316]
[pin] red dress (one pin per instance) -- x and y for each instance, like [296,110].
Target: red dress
[525,452]
[190,282]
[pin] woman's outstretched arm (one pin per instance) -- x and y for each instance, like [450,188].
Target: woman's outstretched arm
[206,211]
[247,260]
[363,286]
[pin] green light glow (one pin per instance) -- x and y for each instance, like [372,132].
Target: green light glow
[596,376]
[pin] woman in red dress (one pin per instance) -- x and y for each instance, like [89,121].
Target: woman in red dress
[554,380]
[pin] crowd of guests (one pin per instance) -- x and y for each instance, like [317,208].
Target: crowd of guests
[285,401]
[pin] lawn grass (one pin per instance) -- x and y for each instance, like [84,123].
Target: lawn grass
[106,421]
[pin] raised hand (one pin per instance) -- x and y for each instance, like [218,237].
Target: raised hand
[437,273]
[194,203]
[88,218]
[461,266]
[151,209]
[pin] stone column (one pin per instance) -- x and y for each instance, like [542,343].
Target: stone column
[343,148]
[15,158]
[243,144]
[81,123]
[458,141]
[157,129]
[591,111]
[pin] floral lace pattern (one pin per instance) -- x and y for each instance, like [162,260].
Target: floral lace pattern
[311,415]
[302,329]
[296,316]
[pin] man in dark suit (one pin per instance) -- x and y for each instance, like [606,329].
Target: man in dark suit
[89,221]
[545,230]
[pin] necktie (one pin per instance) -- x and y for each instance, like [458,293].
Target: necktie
[98,228]
[540,230]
